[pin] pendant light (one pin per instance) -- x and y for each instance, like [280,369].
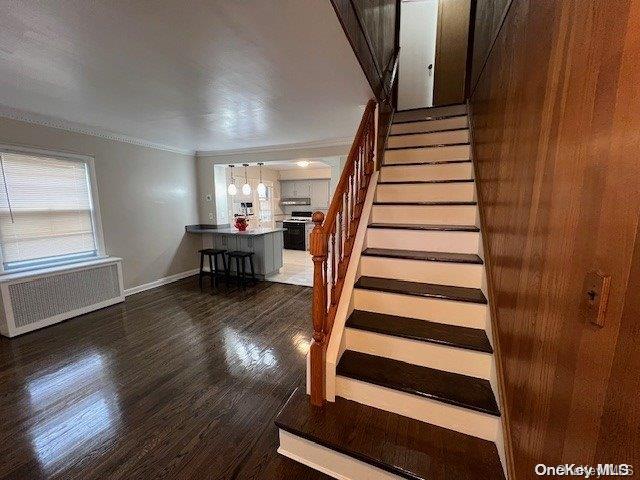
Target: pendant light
[246,188]
[262,188]
[232,189]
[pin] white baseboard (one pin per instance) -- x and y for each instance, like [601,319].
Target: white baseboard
[161,281]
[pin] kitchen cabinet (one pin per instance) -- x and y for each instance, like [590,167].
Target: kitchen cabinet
[295,188]
[320,194]
[316,190]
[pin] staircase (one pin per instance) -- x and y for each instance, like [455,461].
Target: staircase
[415,388]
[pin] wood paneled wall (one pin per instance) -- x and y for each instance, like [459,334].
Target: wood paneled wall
[556,138]
[372,29]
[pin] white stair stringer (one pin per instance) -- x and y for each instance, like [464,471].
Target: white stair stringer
[464,420]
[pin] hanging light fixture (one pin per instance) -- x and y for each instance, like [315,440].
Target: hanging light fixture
[232,189]
[262,188]
[246,188]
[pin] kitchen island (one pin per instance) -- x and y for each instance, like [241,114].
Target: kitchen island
[266,243]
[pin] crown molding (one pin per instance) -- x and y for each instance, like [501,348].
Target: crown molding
[333,142]
[47,121]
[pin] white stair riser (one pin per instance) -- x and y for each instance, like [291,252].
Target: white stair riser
[425,192]
[434,138]
[425,173]
[460,419]
[427,113]
[425,354]
[423,240]
[445,273]
[430,125]
[425,214]
[463,314]
[328,461]
[428,154]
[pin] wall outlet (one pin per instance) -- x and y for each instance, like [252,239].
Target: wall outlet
[210,216]
[207,197]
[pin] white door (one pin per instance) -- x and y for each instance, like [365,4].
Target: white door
[418,32]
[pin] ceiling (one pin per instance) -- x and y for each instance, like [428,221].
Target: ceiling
[204,75]
[292,165]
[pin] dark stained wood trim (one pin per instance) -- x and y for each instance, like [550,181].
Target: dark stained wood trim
[395,443]
[435,162]
[452,388]
[430,108]
[411,226]
[425,290]
[441,117]
[418,182]
[427,132]
[420,147]
[474,84]
[424,256]
[424,204]
[421,330]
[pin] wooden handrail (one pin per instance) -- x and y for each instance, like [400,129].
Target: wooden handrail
[332,241]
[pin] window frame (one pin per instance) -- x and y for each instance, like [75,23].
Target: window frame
[96,217]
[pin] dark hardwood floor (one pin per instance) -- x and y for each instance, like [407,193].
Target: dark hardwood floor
[172,383]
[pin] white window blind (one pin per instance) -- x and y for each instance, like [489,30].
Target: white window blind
[45,211]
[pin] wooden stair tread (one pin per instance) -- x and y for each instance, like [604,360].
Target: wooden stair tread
[432,227]
[421,330]
[428,131]
[447,387]
[415,182]
[427,204]
[421,147]
[431,162]
[397,444]
[428,119]
[424,256]
[428,290]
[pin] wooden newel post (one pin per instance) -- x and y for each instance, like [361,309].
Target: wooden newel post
[318,249]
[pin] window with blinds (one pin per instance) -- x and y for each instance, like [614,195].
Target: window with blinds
[46,214]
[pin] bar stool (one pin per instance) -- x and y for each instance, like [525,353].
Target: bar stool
[241,267]
[213,265]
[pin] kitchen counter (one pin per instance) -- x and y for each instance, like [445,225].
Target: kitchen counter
[266,244]
[231,230]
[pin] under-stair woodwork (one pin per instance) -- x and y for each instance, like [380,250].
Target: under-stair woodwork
[415,343]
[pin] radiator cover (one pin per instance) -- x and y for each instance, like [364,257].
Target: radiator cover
[35,300]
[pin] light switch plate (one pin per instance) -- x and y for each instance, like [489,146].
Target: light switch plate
[596,297]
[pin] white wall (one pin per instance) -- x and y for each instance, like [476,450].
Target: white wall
[147,196]
[305,174]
